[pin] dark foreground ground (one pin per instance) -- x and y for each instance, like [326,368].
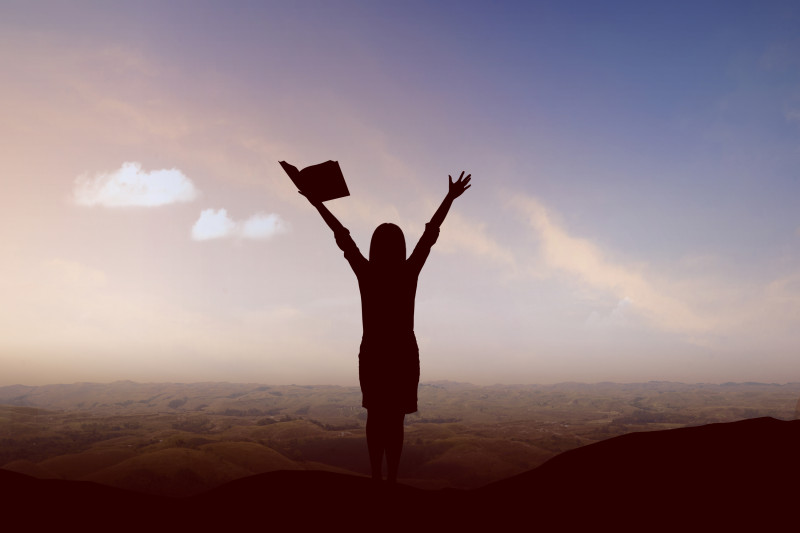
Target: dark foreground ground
[738,476]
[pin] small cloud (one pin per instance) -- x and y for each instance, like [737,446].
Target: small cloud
[130,186]
[263,226]
[216,224]
[213,225]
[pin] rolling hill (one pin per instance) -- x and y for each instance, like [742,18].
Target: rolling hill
[718,476]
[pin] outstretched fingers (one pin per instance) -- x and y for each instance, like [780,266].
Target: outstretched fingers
[458,187]
[463,182]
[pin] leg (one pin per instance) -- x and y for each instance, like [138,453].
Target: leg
[376,442]
[394,443]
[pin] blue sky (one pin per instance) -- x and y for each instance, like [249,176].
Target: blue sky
[633,214]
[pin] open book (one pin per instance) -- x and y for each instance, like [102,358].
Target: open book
[324,181]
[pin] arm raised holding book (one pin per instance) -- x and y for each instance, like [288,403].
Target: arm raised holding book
[342,234]
[327,216]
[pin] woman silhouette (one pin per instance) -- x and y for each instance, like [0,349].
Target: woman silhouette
[388,362]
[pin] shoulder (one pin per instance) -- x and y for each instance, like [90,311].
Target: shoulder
[351,252]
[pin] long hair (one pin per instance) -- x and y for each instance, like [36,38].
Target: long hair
[388,246]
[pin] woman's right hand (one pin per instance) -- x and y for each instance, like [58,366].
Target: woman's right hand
[311,199]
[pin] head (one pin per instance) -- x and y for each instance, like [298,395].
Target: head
[388,246]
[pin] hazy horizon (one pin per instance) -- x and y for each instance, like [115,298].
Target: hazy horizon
[633,214]
[422,383]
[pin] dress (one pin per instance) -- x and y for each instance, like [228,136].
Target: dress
[388,362]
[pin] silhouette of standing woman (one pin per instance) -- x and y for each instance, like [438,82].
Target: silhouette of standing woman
[388,363]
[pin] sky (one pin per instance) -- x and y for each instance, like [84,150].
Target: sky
[634,213]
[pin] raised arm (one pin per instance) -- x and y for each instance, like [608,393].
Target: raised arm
[456,189]
[343,240]
[423,247]
[327,216]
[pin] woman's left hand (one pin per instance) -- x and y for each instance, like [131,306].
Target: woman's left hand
[460,185]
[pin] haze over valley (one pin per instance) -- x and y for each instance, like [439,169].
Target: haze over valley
[182,439]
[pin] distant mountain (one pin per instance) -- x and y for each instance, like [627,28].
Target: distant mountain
[740,476]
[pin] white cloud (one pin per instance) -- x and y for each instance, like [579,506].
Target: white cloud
[263,226]
[213,225]
[216,224]
[654,298]
[467,235]
[130,186]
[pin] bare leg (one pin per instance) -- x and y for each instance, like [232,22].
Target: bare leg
[394,443]
[376,442]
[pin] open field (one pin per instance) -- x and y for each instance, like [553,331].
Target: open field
[183,439]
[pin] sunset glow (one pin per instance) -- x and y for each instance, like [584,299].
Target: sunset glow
[634,214]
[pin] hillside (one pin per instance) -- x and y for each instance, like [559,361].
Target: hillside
[733,475]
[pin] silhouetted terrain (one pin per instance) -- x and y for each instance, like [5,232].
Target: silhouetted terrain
[737,474]
[740,475]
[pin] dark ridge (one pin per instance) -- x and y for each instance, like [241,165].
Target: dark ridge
[34,504]
[734,473]
[739,476]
